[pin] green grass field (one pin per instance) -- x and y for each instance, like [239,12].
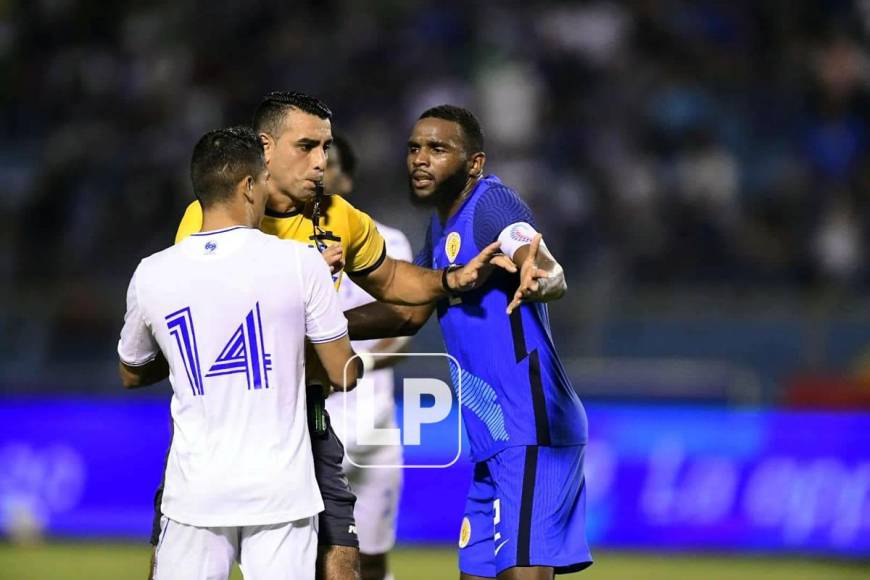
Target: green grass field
[122,562]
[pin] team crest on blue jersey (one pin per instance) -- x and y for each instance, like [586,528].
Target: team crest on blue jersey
[465,532]
[452,245]
[210,247]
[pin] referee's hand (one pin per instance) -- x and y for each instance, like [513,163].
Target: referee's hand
[473,274]
[334,256]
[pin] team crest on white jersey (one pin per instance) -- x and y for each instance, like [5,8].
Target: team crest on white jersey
[452,245]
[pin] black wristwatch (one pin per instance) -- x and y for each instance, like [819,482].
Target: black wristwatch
[444,284]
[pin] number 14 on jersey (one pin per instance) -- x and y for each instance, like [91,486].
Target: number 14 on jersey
[244,352]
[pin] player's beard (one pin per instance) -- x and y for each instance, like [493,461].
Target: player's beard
[445,192]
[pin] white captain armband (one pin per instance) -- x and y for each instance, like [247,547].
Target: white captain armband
[514,237]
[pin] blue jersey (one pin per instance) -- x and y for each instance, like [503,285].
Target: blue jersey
[514,388]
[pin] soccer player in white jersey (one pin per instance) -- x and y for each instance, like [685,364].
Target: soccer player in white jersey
[225,313]
[377,490]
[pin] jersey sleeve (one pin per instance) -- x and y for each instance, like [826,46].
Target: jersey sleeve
[498,208]
[191,223]
[366,247]
[424,256]
[137,345]
[324,321]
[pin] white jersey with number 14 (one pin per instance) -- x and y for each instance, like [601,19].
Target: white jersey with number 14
[230,310]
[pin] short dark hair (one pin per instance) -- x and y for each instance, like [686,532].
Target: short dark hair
[271,111]
[221,159]
[345,152]
[465,118]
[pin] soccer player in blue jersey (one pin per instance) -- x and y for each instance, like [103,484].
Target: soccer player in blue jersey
[525,512]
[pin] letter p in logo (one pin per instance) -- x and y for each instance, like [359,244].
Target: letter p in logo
[415,414]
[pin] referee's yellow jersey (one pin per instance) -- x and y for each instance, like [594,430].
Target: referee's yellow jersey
[340,222]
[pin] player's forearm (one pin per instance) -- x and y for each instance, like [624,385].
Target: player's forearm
[379,320]
[353,371]
[336,363]
[554,287]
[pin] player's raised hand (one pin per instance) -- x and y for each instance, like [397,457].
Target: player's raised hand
[530,274]
[334,256]
[473,274]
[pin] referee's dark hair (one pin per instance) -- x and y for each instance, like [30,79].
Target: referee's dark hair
[466,119]
[273,107]
[223,158]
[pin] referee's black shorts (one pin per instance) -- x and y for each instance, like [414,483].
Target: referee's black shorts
[337,526]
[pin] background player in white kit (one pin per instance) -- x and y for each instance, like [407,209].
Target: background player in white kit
[225,313]
[378,489]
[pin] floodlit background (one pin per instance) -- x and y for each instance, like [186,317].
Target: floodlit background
[700,168]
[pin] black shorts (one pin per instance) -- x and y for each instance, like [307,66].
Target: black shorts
[337,526]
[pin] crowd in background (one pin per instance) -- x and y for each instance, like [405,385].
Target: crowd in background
[668,142]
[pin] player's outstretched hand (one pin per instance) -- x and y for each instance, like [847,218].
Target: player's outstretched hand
[473,274]
[334,256]
[529,276]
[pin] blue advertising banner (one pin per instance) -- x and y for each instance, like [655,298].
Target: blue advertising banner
[696,478]
[81,467]
[664,478]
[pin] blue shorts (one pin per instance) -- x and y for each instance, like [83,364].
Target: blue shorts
[526,507]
